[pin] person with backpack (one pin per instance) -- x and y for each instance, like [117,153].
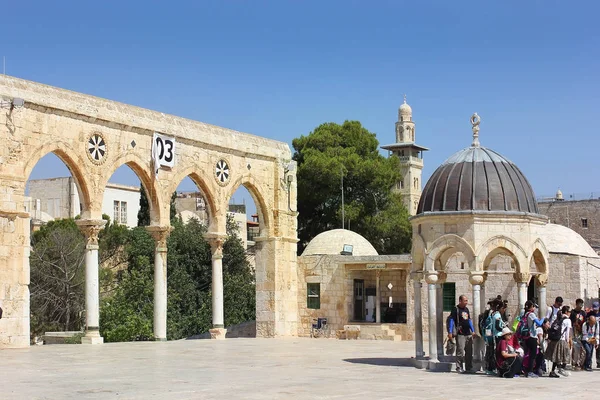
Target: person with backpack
[491,330]
[526,333]
[590,339]
[554,309]
[560,343]
[460,318]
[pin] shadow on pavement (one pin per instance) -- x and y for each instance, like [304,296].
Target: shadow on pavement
[389,362]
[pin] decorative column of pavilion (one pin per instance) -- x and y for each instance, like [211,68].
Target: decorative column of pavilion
[542,281]
[417,276]
[91,229]
[522,280]
[476,279]
[431,278]
[439,304]
[160,235]
[378,297]
[218,330]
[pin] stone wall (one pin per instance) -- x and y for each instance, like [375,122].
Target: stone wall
[571,214]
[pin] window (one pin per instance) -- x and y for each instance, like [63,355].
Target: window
[124,212]
[313,299]
[449,295]
[584,223]
[116,213]
[401,184]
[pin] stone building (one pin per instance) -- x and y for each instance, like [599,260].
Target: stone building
[342,278]
[410,155]
[583,216]
[60,198]
[478,230]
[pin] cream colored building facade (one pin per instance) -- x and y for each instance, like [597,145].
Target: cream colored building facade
[94,137]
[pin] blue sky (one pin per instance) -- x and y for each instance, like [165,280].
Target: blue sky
[280,68]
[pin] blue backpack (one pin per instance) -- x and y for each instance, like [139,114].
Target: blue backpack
[522,331]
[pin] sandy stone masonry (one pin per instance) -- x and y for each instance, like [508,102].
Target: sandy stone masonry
[62,122]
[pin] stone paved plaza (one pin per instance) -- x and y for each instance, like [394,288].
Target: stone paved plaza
[254,369]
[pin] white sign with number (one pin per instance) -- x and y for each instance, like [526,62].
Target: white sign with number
[163,151]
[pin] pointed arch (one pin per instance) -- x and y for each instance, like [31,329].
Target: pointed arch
[256,191]
[142,169]
[73,162]
[443,247]
[539,257]
[198,175]
[503,245]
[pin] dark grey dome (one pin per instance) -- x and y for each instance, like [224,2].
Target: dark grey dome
[477,179]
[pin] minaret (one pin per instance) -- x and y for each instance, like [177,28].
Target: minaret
[411,158]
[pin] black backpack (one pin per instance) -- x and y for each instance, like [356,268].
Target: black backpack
[555,331]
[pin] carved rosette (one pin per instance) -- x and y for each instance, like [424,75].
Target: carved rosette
[91,229]
[160,234]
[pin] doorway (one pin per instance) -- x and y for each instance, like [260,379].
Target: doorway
[359,300]
[531,290]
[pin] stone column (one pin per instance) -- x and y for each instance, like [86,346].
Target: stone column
[160,235]
[419,353]
[542,281]
[378,297]
[218,330]
[483,302]
[476,280]
[439,317]
[431,278]
[91,229]
[522,280]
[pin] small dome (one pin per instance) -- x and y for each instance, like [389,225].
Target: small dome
[405,109]
[559,195]
[477,178]
[332,242]
[560,239]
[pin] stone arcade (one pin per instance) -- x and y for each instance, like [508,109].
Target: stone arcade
[94,137]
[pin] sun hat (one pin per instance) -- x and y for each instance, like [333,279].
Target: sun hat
[505,331]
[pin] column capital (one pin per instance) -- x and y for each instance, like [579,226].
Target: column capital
[476,278]
[216,241]
[521,277]
[91,229]
[431,277]
[542,280]
[416,275]
[160,235]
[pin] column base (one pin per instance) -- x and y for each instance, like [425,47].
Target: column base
[92,340]
[218,333]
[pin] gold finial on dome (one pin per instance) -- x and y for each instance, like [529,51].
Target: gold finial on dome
[475,120]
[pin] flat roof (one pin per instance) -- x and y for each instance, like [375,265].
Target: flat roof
[404,146]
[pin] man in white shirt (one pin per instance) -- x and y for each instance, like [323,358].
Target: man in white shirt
[553,311]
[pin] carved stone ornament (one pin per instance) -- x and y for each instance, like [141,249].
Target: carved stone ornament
[431,278]
[216,246]
[96,148]
[542,279]
[160,234]
[522,277]
[222,172]
[91,229]
[476,279]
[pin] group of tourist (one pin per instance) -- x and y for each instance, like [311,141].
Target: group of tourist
[561,336]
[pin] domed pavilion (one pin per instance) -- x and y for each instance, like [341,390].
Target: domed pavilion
[478,232]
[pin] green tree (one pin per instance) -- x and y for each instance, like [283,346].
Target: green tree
[333,150]
[143,215]
[57,279]
[144,211]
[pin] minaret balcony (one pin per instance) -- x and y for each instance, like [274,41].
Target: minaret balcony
[411,160]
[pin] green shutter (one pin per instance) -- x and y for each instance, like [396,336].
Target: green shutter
[313,296]
[449,295]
